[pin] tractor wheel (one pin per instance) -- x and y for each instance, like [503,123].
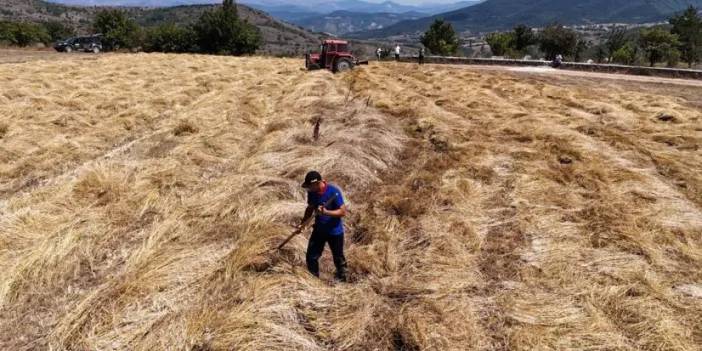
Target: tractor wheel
[343,65]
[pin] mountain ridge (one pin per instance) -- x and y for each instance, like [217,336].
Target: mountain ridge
[494,15]
[342,21]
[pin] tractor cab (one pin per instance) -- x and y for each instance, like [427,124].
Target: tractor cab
[334,55]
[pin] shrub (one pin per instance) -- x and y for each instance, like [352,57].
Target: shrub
[500,43]
[625,55]
[23,33]
[170,38]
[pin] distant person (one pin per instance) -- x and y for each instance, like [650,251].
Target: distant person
[325,201]
[557,61]
[379,53]
[421,56]
[397,53]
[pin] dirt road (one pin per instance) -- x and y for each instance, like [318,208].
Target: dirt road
[27,55]
[552,72]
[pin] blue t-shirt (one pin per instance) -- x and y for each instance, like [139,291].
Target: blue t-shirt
[326,224]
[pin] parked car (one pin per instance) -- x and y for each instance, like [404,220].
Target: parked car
[87,44]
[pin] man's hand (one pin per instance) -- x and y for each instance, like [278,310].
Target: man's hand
[298,228]
[341,212]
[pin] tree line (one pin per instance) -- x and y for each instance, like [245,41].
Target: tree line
[679,40]
[216,31]
[28,33]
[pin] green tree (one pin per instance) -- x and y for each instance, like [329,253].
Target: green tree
[688,27]
[440,39]
[118,30]
[170,38]
[625,55]
[500,43]
[615,40]
[658,44]
[523,36]
[22,33]
[557,40]
[220,31]
[58,30]
[673,58]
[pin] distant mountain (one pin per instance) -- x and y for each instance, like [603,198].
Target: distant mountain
[371,7]
[345,16]
[504,14]
[290,10]
[309,12]
[292,6]
[342,22]
[434,9]
[321,6]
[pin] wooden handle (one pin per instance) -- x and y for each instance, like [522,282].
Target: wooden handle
[306,222]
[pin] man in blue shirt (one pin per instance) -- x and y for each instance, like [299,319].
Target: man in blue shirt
[325,201]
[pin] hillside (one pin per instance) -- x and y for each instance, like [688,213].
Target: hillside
[136,3]
[504,14]
[37,11]
[328,6]
[293,11]
[336,17]
[279,37]
[140,197]
[342,22]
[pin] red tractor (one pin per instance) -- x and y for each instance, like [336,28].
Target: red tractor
[335,56]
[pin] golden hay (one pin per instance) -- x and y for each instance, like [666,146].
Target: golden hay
[140,196]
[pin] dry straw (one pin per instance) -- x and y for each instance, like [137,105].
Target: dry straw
[488,210]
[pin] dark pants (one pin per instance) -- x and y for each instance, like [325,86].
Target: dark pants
[397,57]
[315,247]
[421,60]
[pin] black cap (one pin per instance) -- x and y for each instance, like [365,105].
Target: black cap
[311,177]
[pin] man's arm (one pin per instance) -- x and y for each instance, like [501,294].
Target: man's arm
[338,202]
[341,212]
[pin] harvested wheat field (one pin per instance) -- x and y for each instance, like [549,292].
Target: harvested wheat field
[140,195]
